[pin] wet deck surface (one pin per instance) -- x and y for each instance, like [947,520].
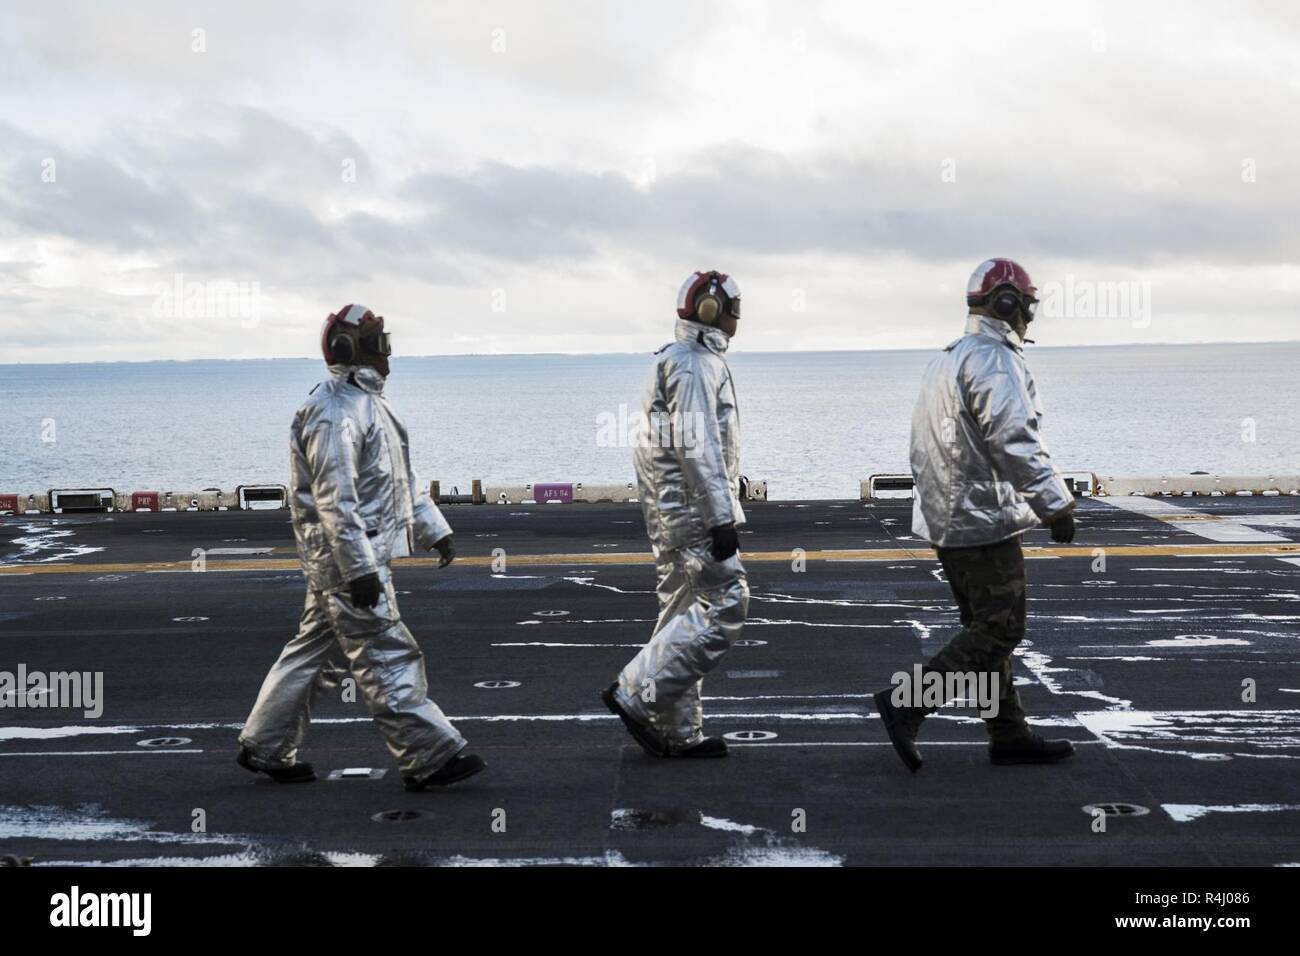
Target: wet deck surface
[1140,661]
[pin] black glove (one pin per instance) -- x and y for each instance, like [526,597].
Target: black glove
[447,550]
[725,541]
[365,590]
[1063,528]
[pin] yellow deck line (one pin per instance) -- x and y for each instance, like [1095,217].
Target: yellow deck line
[636,557]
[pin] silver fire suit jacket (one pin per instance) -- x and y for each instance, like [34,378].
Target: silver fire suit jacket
[687,455]
[982,472]
[354,499]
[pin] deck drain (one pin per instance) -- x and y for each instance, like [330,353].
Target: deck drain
[1116,809]
[163,742]
[356,773]
[746,736]
[550,613]
[189,620]
[749,642]
[496,684]
[397,816]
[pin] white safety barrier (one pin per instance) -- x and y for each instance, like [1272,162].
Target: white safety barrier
[584,492]
[210,499]
[1151,486]
[892,486]
[24,504]
[508,494]
[214,499]
[59,500]
[179,501]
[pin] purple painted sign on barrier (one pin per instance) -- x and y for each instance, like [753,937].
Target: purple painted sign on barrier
[553,492]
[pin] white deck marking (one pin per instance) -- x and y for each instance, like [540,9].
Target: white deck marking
[1040,665]
[774,849]
[828,716]
[983,744]
[556,644]
[1187,812]
[1268,732]
[1203,524]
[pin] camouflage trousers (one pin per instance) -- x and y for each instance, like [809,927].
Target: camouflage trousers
[989,585]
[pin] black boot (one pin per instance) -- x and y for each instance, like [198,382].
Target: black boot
[456,769]
[708,747]
[1030,748]
[901,723]
[295,773]
[649,738]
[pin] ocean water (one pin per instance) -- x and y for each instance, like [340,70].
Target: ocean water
[813,423]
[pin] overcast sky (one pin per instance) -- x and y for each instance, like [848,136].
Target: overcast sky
[540,176]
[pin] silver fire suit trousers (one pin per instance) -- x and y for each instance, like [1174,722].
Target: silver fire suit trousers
[702,608]
[388,667]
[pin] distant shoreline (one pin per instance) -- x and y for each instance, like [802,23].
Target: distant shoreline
[740,350]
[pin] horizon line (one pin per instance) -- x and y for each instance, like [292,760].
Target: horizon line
[926,348]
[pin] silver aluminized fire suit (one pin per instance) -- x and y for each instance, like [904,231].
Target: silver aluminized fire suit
[982,472]
[687,466]
[355,504]
[983,476]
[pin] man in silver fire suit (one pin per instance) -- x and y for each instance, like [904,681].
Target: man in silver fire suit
[356,504]
[687,467]
[983,477]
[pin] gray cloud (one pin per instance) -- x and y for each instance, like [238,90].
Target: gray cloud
[254,197]
[530,169]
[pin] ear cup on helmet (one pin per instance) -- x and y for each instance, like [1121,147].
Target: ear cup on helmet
[343,349]
[708,308]
[1005,304]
